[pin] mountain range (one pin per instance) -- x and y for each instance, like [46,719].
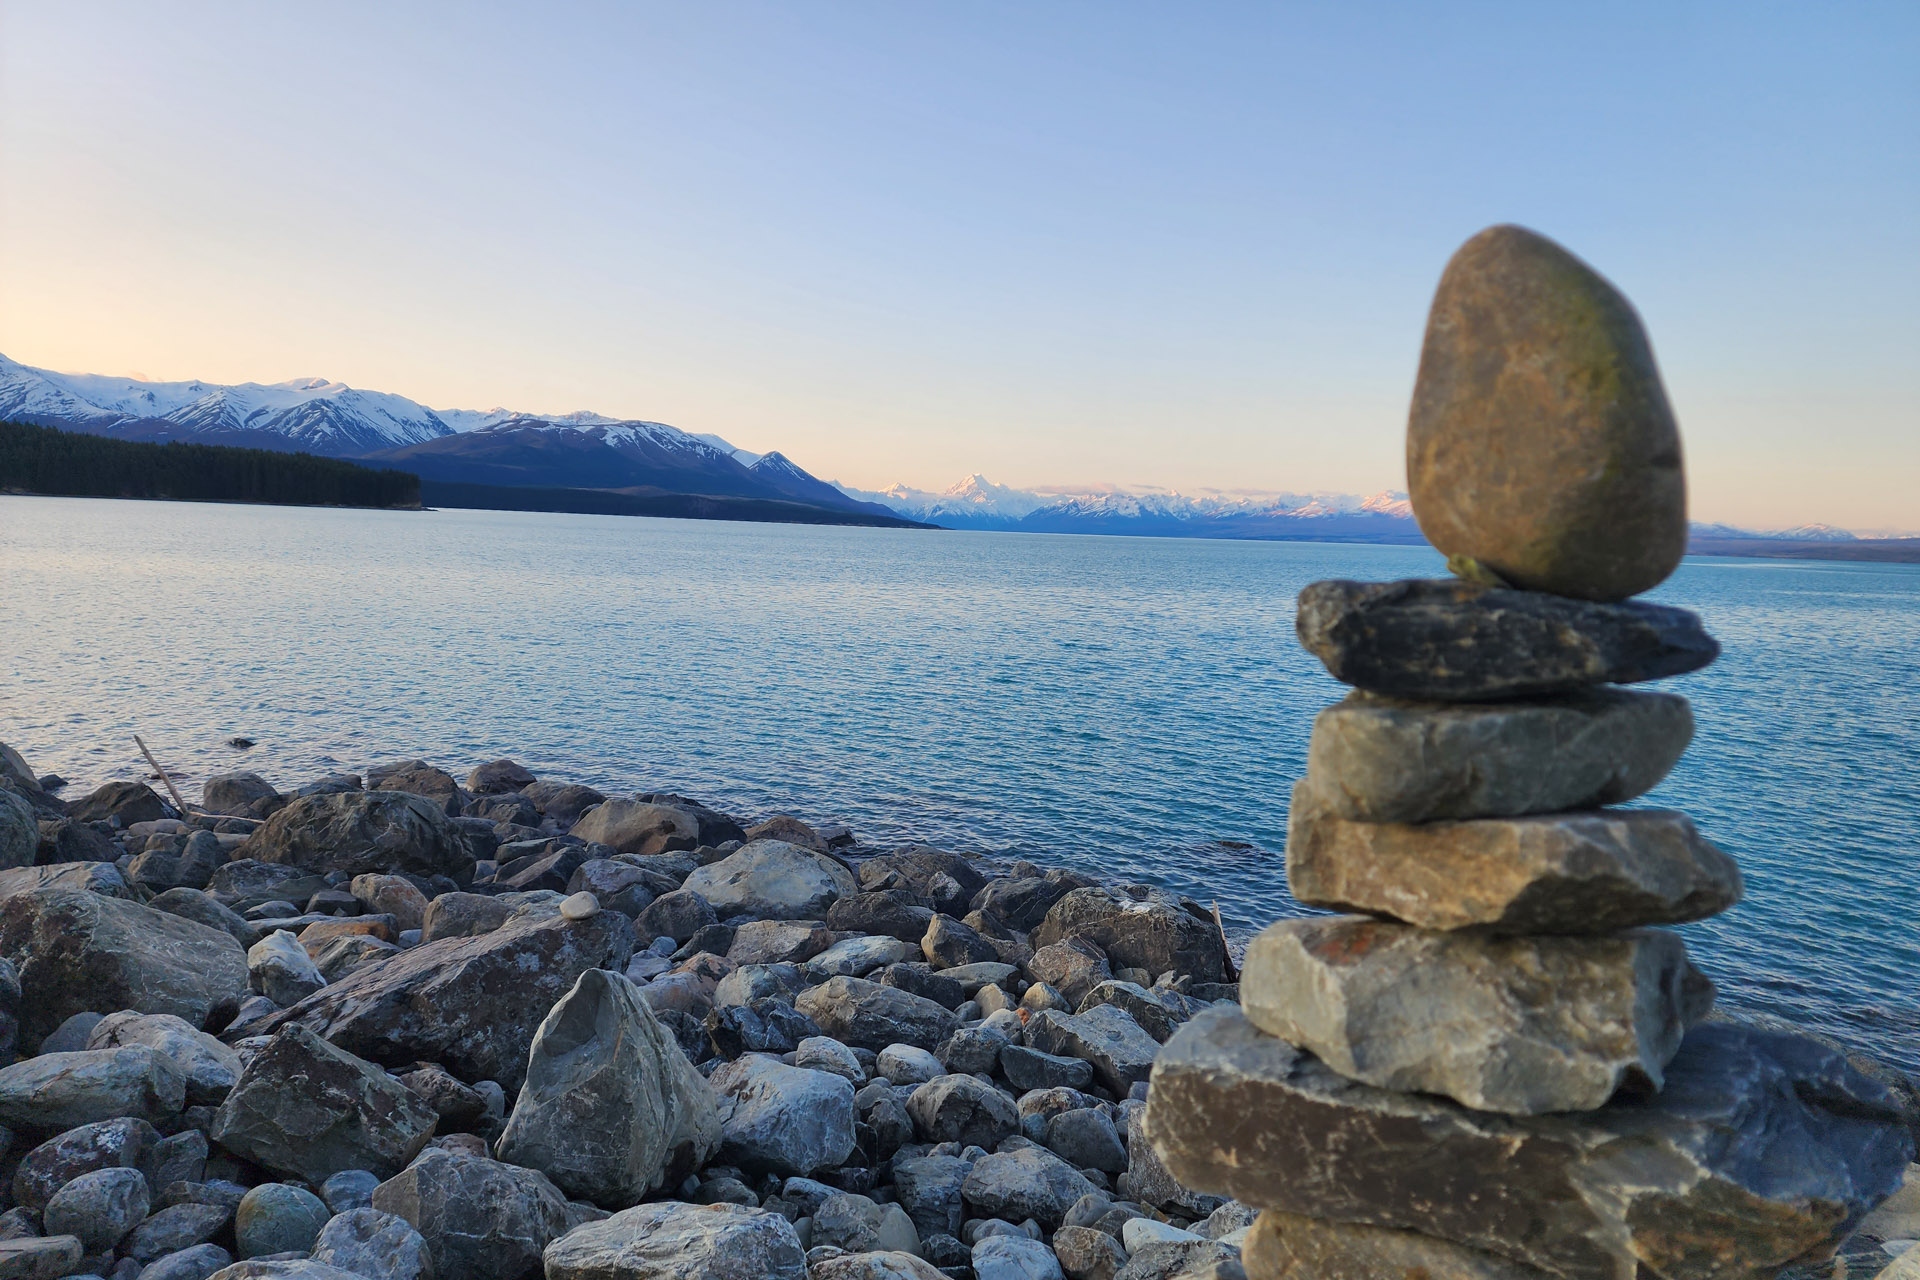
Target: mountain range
[501,457]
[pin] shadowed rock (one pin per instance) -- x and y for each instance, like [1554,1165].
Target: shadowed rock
[363,831]
[479,1217]
[1139,927]
[1286,1246]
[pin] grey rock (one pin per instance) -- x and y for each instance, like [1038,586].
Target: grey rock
[379,1246]
[284,1266]
[946,881]
[1517,1025]
[1149,1181]
[459,1106]
[906,1064]
[464,915]
[976,1050]
[563,802]
[615,885]
[244,795]
[71,1035]
[392,895]
[78,951]
[1087,1254]
[1194,1259]
[470,1004]
[778,941]
[198,1263]
[610,1105]
[1014,1257]
[972,977]
[677,915]
[19,831]
[194,905]
[1140,927]
[122,803]
[633,826]
[247,883]
[1156,1016]
[1761,1149]
[65,1090]
[175,1229]
[103,1144]
[823,1053]
[179,1157]
[349,1189]
[750,982]
[276,1217]
[899,914]
[479,1217]
[102,878]
[41,1257]
[947,942]
[856,957]
[877,1264]
[780,1119]
[1287,1246]
[963,1109]
[1454,641]
[772,879]
[918,978]
[99,1207]
[1027,1069]
[418,778]
[928,1188]
[342,955]
[357,832]
[280,969]
[1377,759]
[1031,1182]
[1072,966]
[311,1109]
[1106,1035]
[869,1015]
[1596,871]
[1086,1139]
[859,1225]
[1022,901]
[673,1241]
[498,777]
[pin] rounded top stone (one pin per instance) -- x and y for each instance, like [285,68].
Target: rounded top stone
[1541,444]
[580,906]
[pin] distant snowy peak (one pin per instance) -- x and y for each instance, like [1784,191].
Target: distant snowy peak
[745,457]
[977,500]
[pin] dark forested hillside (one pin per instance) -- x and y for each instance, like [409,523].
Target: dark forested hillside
[64,463]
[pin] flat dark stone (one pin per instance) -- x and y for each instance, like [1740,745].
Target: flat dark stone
[1762,1149]
[1456,641]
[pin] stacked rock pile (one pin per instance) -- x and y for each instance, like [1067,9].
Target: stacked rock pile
[1496,1063]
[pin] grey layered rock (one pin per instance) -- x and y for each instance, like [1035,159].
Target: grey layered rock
[673,1241]
[103,1144]
[379,1246]
[78,952]
[1286,1246]
[1454,641]
[773,880]
[1138,927]
[308,1108]
[1031,1182]
[470,1004]
[869,1015]
[634,826]
[280,969]
[1592,872]
[64,1090]
[780,1119]
[363,831]
[99,1207]
[1119,1048]
[479,1217]
[1761,1149]
[963,1109]
[1518,1025]
[275,1217]
[610,1103]
[1375,759]
[210,1068]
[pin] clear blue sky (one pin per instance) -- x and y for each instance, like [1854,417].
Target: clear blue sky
[1188,245]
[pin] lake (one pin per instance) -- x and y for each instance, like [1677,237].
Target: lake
[1133,707]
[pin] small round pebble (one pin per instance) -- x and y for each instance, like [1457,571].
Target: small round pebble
[580,906]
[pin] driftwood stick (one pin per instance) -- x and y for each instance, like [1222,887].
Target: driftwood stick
[174,791]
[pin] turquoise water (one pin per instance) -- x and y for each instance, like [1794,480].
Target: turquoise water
[1134,707]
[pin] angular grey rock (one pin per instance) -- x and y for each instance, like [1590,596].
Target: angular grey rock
[1031,1182]
[928,1188]
[673,1241]
[1087,1254]
[616,885]
[379,1246]
[976,1050]
[778,941]
[458,1106]
[949,943]
[276,1217]
[634,826]
[19,831]
[280,1267]
[102,878]
[499,777]
[900,914]
[856,957]
[179,1157]
[348,952]
[1073,966]
[772,879]
[1027,1069]
[78,952]
[244,795]
[1516,1025]
[859,1225]
[479,1217]
[58,1091]
[247,883]
[126,802]
[1014,1257]
[470,1004]
[1149,1181]
[1157,1017]
[103,1144]
[210,1068]
[41,1257]
[1286,1246]
[1188,1259]
[823,1053]
[1453,641]
[392,895]
[905,1064]
[1578,873]
[610,1105]
[200,1262]
[677,915]
[175,1229]
[963,1109]
[1139,927]
[869,1015]
[362,831]
[780,1119]
[1761,1149]
[945,881]
[1086,1139]
[311,1109]
[280,969]
[1106,1035]
[99,1207]
[1376,759]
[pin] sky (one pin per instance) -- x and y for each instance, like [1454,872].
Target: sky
[1066,244]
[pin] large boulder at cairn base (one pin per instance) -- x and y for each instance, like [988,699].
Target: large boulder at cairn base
[470,1004]
[480,1218]
[633,826]
[773,880]
[610,1102]
[1375,759]
[1140,928]
[1520,1025]
[1451,641]
[362,831]
[674,1241]
[1541,443]
[306,1108]
[79,952]
[1286,1246]
[1587,872]
[1761,1150]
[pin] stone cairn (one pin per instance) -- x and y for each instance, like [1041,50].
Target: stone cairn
[1499,1065]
